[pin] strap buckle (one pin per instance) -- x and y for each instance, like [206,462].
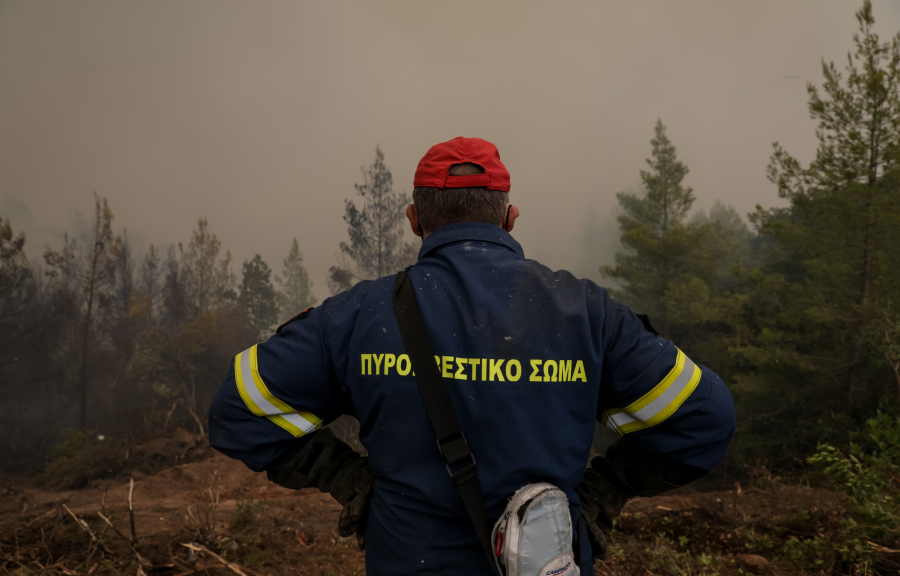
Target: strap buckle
[455,450]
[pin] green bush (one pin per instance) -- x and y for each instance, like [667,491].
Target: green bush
[868,472]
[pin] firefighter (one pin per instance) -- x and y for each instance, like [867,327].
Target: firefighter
[532,358]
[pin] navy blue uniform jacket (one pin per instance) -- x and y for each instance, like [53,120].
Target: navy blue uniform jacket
[532,358]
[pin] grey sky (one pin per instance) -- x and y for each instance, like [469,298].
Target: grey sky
[258,115]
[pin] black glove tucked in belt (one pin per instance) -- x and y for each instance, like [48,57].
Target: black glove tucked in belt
[625,472]
[330,465]
[602,500]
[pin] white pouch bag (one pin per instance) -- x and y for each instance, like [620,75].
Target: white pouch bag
[533,536]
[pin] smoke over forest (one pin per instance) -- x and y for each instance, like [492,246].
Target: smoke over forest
[179,179]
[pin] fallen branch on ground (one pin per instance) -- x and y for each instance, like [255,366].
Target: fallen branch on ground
[882,549]
[141,560]
[230,565]
[134,539]
[84,526]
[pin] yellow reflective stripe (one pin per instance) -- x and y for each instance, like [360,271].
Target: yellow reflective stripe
[287,425]
[658,390]
[660,402]
[261,402]
[261,386]
[239,378]
[311,418]
[694,379]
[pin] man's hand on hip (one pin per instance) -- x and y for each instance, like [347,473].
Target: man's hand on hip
[602,500]
[329,464]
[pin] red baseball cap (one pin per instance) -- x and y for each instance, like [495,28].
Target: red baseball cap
[434,168]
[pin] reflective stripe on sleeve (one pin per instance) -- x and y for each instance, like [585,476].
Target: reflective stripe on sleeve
[262,402]
[658,404]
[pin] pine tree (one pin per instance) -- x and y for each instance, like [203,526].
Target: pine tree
[664,258]
[14,269]
[257,295]
[149,280]
[88,270]
[728,217]
[207,279]
[375,228]
[17,295]
[840,232]
[173,292]
[296,289]
[28,336]
[340,279]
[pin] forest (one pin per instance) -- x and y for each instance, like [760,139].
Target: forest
[796,307]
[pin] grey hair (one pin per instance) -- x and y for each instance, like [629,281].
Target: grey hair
[438,207]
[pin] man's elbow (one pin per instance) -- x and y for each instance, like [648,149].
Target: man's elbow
[222,429]
[721,420]
[229,426]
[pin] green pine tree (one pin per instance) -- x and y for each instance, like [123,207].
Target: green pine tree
[728,217]
[839,236]
[666,266]
[207,280]
[815,330]
[258,295]
[375,227]
[296,289]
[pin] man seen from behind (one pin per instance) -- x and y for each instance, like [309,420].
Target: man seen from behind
[532,360]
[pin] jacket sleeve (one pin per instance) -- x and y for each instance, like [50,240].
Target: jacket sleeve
[276,394]
[678,414]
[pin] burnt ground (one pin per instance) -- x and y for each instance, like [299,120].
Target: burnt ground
[213,516]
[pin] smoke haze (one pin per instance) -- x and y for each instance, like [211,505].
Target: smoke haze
[258,116]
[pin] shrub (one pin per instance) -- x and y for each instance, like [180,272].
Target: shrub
[81,457]
[868,473]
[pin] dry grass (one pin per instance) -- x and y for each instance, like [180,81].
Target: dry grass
[216,517]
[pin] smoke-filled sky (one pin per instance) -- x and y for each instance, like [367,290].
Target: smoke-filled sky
[258,115]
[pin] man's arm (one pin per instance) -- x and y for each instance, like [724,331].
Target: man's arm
[269,414]
[676,419]
[275,396]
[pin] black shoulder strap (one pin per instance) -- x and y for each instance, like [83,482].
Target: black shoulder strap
[451,441]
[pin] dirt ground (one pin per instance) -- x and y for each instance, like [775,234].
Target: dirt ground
[216,503]
[215,516]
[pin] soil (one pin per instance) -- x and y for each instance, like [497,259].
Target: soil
[239,523]
[210,500]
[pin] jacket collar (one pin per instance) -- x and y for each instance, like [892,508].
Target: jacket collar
[469,231]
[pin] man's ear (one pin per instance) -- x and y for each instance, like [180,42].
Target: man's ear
[413,218]
[510,220]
